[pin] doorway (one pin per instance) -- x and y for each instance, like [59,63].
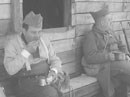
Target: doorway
[52,11]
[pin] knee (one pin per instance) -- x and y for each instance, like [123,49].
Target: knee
[48,91]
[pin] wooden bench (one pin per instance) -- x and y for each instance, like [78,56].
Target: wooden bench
[64,43]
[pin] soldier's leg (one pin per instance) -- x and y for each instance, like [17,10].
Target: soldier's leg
[123,67]
[104,78]
[121,90]
[30,88]
[46,91]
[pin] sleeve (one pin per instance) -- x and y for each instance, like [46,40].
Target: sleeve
[123,48]
[91,53]
[54,60]
[13,61]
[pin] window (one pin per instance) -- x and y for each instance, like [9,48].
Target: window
[56,13]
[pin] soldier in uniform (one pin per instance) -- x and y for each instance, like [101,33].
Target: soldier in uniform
[30,57]
[105,56]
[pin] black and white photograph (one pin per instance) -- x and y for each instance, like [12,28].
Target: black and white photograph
[64,48]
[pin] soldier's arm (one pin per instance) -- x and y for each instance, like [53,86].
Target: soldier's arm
[13,61]
[91,52]
[54,59]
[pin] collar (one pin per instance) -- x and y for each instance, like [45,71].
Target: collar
[97,32]
[23,38]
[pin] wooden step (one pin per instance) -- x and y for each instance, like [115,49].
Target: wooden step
[82,86]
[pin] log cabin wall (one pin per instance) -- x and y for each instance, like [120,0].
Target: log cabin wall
[83,21]
[68,43]
[6,19]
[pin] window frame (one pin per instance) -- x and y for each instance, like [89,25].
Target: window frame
[17,21]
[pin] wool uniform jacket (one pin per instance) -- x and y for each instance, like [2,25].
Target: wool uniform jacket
[14,61]
[96,47]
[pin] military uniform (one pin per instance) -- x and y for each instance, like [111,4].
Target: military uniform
[96,48]
[30,76]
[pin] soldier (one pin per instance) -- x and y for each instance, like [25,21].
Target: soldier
[105,56]
[30,56]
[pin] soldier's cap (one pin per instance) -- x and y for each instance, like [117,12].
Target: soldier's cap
[101,13]
[34,20]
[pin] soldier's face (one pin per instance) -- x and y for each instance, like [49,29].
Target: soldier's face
[32,34]
[104,24]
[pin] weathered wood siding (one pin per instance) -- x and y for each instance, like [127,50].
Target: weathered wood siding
[5,16]
[83,21]
[68,42]
[6,19]
[64,43]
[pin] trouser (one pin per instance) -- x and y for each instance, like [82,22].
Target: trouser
[29,87]
[113,73]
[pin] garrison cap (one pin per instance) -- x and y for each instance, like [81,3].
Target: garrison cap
[34,20]
[101,13]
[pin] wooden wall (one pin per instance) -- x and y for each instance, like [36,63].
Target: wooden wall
[68,42]
[83,21]
[6,19]
[64,43]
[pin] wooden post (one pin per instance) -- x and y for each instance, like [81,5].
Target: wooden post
[67,13]
[15,16]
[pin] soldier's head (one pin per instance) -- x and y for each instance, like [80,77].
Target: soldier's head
[32,25]
[102,20]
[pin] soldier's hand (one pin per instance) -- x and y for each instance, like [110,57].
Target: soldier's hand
[127,58]
[111,56]
[31,47]
[122,56]
[51,76]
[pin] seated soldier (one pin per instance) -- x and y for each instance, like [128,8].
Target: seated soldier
[30,57]
[109,64]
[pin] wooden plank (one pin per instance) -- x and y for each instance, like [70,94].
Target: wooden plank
[79,54]
[5,27]
[73,8]
[115,7]
[73,69]
[127,1]
[83,29]
[118,16]
[88,19]
[69,67]
[73,21]
[5,14]
[126,25]
[83,7]
[21,11]
[128,15]
[127,6]
[116,26]
[83,19]
[59,33]
[67,56]
[63,45]
[55,30]
[3,41]
[16,16]
[1,57]
[79,41]
[93,94]
[82,85]
[103,0]
[128,33]
[8,1]
[67,12]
